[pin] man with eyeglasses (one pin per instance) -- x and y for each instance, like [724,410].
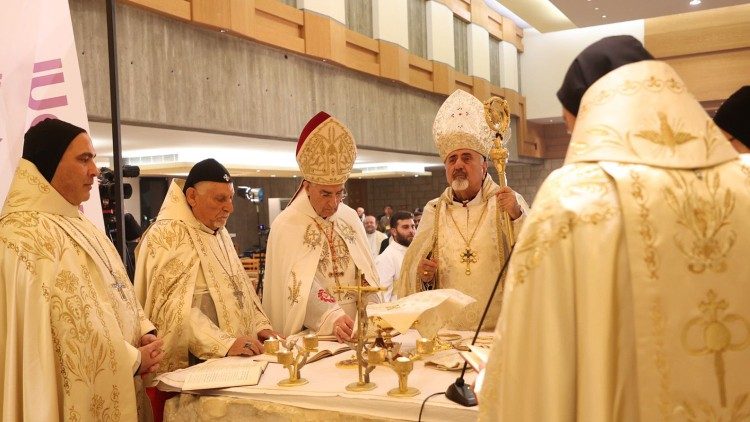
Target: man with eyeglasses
[318,244]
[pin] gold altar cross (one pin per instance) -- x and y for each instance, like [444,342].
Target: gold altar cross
[468,257]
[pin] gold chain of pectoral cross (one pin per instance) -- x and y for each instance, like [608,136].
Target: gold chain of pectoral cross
[233,277]
[105,260]
[335,272]
[468,256]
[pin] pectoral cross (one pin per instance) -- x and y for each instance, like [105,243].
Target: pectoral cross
[336,274]
[468,257]
[236,292]
[119,286]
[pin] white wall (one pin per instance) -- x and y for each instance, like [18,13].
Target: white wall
[479,46]
[440,43]
[508,65]
[546,58]
[335,9]
[390,21]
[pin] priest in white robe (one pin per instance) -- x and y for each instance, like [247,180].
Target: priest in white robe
[190,280]
[628,294]
[374,236]
[73,338]
[462,243]
[317,244]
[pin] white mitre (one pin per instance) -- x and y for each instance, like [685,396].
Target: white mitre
[460,123]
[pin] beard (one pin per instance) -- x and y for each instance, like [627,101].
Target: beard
[460,184]
[403,240]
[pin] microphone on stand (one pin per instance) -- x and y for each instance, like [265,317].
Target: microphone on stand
[459,392]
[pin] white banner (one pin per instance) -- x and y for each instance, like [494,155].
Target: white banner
[39,78]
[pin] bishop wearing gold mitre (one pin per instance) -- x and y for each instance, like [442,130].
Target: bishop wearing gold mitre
[189,278]
[462,242]
[318,244]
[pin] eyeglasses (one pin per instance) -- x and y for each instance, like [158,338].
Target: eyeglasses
[340,196]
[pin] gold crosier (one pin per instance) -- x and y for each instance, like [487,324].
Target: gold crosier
[497,116]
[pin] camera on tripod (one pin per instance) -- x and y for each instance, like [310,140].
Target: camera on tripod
[107,182]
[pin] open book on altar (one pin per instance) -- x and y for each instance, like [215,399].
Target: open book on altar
[328,348]
[232,371]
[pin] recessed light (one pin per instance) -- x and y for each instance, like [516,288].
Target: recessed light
[604,16]
[596,8]
[695,2]
[257,171]
[273,175]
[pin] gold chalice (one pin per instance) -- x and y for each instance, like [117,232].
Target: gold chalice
[403,366]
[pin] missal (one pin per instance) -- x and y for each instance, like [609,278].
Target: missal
[232,371]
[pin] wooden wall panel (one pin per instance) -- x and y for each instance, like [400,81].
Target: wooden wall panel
[460,8]
[709,49]
[362,53]
[714,76]
[394,62]
[212,13]
[699,32]
[494,24]
[325,38]
[174,8]
[421,73]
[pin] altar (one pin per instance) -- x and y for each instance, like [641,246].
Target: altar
[325,397]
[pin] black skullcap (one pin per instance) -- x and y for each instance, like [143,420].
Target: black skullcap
[595,61]
[734,115]
[208,170]
[132,228]
[45,143]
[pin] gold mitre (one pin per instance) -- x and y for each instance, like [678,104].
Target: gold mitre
[460,123]
[326,150]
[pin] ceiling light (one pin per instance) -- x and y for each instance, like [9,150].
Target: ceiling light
[695,2]
[596,8]
[604,16]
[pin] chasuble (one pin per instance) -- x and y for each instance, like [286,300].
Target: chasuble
[470,248]
[308,258]
[628,295]
[193,287]
[70,323]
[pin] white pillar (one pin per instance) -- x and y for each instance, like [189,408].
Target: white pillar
[335,9]
[479,51]
[508,66]
[390,21]
[440,45]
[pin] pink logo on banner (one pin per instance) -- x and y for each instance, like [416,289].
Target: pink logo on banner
[44,80]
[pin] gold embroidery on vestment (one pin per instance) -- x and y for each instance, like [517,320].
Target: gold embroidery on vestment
[712,334]
[294,290]
[629,88]
[704,210]
[645,227]
[312,236]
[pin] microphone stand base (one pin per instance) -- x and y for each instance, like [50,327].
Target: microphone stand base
[461,394]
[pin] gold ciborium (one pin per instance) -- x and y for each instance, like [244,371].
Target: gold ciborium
[403,366]
[293,362]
